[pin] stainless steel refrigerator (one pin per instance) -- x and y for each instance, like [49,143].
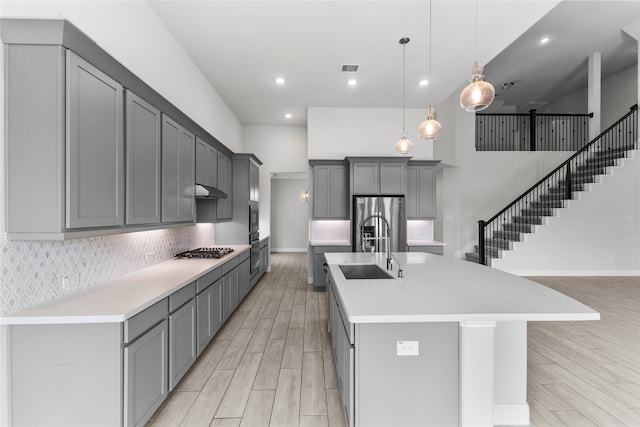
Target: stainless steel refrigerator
[378,221]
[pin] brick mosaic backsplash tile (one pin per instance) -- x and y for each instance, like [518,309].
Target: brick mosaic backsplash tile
[31,272]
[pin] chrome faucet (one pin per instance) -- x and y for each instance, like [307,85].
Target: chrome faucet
[388,239]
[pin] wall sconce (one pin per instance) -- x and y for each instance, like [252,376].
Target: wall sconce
[304,196]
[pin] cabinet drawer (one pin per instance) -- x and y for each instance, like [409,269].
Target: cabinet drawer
[243,256]
[229,265]
[145,320]
[178,298]
[208,279]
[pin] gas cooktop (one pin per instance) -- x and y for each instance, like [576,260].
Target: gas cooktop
[201,253]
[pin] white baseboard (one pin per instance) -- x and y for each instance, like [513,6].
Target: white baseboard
[585,273]
[288,249]
[511,414]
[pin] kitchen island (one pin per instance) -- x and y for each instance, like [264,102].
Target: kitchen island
[446,344]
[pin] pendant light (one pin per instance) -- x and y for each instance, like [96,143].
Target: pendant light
[403,146]
[430,129]
[479,94]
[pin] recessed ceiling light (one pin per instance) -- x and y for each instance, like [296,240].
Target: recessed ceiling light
[544,40]
[423,82]
[288,116]
[280,80]
[352,82]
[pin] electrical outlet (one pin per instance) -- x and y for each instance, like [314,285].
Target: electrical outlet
[408,348]
[70,280]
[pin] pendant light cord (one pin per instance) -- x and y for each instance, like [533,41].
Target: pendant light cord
[430,33]
[476,30]
[404,66]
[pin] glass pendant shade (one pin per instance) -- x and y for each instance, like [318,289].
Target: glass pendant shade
[479,94]
[430,129]
[403,146]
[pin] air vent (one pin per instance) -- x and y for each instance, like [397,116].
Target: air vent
[349,68]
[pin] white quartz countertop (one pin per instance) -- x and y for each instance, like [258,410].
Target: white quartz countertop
[329,242]
[121,298]
[425,243]
[442,289]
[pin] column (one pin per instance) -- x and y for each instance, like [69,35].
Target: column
[594,94]
[476,373]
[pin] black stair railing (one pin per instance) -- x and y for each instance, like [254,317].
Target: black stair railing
[531,132]
[538,201]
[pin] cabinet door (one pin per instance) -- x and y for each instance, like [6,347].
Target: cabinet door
[393,178]
[145,375]
[366,178]
[143,161]
[254,182]
[201,162]
[95,147]
[206,164]
[427,193]
[203,323]
[229,293]
[182,341]
[216,318]
[178,158]
[329,191]
[244,279]
[421,186]
[224,206]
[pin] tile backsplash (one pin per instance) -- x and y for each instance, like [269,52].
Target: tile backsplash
[419,230]
[31,272]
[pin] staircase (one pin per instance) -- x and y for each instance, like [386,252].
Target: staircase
[529,211]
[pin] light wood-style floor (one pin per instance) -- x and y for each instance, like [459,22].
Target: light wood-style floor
[271,363]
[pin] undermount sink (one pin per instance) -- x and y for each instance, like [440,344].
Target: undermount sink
[364,271]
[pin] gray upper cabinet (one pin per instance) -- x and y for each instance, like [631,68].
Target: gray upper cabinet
[378,175]
[421,189]
[224,208]
[206,164]
[143,148]
[178,164]
[254,182]
[329,190]
[94,147]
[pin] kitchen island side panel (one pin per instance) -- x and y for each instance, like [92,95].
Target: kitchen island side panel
[406,390]
[64,369]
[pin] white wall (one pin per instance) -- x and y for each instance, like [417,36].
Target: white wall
[289,222]
[335,133]
[132,33]
[282,149]
[619,93]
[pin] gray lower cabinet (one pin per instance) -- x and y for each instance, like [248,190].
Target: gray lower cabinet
[244,278]
[330,189]
[421,189]
[230,297]
[208,307]
[264,255]
[178,172]
[319,277]
[143,148]
[182,333]
[145,374]
[94,147]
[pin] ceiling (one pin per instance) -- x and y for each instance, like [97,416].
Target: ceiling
[242,46]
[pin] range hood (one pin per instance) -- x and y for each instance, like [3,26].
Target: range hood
[206,192]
